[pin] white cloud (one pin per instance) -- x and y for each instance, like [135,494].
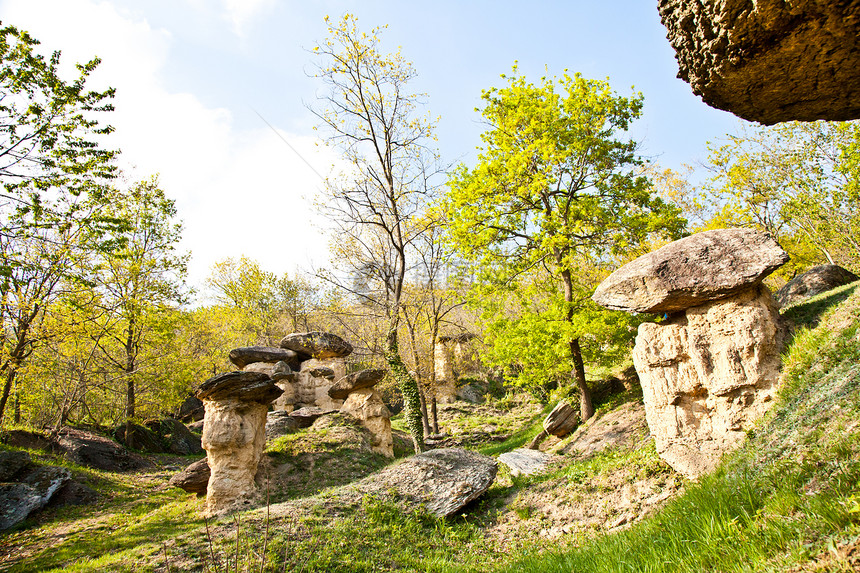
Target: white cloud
[242,13]
[238,192]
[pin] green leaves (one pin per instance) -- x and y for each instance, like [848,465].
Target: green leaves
[556,194]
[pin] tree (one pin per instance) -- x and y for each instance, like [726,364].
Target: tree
[54,176]
[372,118]
[554,191]
[797,181]
[139,283]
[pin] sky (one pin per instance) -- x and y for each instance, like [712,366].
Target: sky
[214,95]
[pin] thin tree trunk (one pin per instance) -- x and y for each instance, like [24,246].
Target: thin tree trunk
[433,414]
[586,408]
[7,389]
[424,418]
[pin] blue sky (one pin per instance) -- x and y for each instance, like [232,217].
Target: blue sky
[191,76]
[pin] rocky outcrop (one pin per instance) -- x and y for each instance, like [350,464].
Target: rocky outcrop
[305,417]
[175,437]
[441,481]
[234,435]
[245,355]
[814,281]
[366,404]
[708,375]
[191,410]
[703,267]
[26,488]
[445,385]
[319,345]
[709,372]
[280,423]
[769,61]
[194,478]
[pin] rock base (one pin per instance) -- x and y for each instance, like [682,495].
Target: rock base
[708,375]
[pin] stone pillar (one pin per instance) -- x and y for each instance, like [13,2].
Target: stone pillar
[234,434]
[445,387]
[366,404]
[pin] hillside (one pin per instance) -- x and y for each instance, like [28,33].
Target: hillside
[788,500]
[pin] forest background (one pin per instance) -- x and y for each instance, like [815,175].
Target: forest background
[97,326]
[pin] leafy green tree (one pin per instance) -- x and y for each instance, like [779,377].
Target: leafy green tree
[797,181]
[140,284]
[371,117]
[55,177]
[555,190]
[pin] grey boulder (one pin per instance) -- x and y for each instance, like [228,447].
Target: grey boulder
[280,423]
[194,478]
[319,345]
[524,461]
[356,381]
[814,281]
[692,271]
[19,500]
[441,481]
[245,355]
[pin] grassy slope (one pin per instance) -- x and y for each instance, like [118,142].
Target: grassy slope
[788,500]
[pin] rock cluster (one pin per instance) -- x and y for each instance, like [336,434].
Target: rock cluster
[711,369]
[769,61]
[234,434]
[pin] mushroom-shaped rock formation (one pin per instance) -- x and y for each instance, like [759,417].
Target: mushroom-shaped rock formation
[366,404]
[769,60]
[234,434]
[814,281]
[694,270]
[245,355]
[356,381]
[317,345]
[708,373]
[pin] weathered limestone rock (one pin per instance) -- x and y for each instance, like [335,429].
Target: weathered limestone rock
[280,423]
[287,400]
[445,386]
[317,345]
[356,381]
[95,451]
[194,478]
[707,375]
[367,406]
[305,417]
[561,421]
[524,461]
[814,281]
[769,60]
[11,463]
[442,481]
[234,434]
[33,492]
[245,355]
[267,368]
[175,437]
[692,271]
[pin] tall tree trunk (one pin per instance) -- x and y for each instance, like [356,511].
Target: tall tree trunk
[586,408]
[408,388]
[130,355]
[7,389]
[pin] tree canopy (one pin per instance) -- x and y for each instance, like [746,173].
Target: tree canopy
[556,190]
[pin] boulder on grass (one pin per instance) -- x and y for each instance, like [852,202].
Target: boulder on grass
[280,423]
[561,421]
[814,281]
[11,463]
[441,481]
[524,461]
[194,478]
[138,438]
[175,436]
[95,451]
